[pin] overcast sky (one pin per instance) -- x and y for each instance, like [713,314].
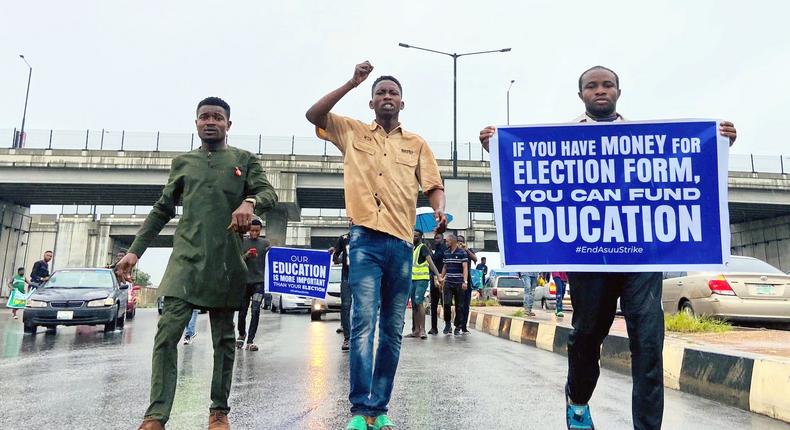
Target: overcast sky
[143,66]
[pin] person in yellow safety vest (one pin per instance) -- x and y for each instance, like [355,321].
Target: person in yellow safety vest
[420,280]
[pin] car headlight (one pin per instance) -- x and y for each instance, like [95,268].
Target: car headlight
[36,304]
[109,301]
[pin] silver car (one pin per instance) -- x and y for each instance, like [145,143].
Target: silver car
[507,290]
[747,290]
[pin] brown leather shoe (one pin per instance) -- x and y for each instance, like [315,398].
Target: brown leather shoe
[218,420]
[151,424]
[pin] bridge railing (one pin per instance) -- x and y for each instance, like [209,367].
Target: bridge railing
[287,145]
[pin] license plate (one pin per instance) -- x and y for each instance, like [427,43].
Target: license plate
[512,293]
[65,315]
[764,290]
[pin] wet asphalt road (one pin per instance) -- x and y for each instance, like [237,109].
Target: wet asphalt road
[81,378]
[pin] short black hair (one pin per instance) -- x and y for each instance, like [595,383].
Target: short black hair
[616,78]
[21,268]
[256,221]
[386,78]
[214,101]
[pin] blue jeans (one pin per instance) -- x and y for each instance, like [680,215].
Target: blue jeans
[560,292]
[191,326]
[345,307]
[379,279]
[529,292]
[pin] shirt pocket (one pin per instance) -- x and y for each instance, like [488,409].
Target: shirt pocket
[367,146]
[408,157]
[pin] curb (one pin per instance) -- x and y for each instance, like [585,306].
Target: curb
[752,382]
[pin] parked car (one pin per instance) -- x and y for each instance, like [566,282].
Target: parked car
[131,301]
[283,303]
[747,290]
[77,297]
[332,302]
[505,289]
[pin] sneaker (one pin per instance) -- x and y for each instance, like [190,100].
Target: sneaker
[433,331]
[447,329]
[16,317]
[531,314]
[577,416]
[464,330]
[457,332]
[187,340]
[240,342]
[560,314]
[345,347]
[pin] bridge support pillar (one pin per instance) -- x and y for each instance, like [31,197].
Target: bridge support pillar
[277,225]
[14,236]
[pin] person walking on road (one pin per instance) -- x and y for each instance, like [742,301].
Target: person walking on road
[217,185]
[454,283]
[560,281]
[483,268]
[422,266]
[40,272]
[384,167]
[437,255]
[529,293]
[190,332]
[18,283]
[340,256]
[470,254]
[255,249]
[595,295]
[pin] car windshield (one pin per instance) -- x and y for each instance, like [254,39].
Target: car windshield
[509,283]
[335,274]
[80,279]
[750,265]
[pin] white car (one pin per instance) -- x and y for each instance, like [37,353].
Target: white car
[332,302]
[287,302]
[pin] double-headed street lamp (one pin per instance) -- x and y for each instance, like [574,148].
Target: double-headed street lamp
[21,135]
[455,92]
[512,81]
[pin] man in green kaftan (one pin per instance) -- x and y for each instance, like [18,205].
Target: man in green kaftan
[220,188]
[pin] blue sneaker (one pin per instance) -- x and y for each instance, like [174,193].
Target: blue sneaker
[578,417]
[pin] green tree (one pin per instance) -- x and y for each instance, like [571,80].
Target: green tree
[141,278]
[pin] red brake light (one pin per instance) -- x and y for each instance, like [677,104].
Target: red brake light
[493,291]
[719,285]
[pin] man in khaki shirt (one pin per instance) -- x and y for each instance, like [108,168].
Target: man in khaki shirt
[594,297]
[384,168]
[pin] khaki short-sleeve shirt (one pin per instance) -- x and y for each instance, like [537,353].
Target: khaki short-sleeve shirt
[383,173]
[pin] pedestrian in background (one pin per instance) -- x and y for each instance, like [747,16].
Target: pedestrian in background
[384,168]
[422,266]
[190,332]
[255,249]
[437,255]
[17,284]
[471,260]
[529,292]
[40,272]
[340,256]
[560,280]
[454,283]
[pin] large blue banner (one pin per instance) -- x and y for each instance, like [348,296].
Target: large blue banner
[625,196]
[299,272]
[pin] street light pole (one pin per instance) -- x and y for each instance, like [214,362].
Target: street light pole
[27,94]
[455,57]
[508,100]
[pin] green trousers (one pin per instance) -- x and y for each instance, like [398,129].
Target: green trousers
[164,369]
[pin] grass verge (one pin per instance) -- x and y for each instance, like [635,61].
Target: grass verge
[684,323]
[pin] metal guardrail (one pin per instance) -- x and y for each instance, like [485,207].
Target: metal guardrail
[290,145]
[164,141]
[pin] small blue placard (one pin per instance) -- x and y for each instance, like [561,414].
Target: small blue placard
[298,272]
